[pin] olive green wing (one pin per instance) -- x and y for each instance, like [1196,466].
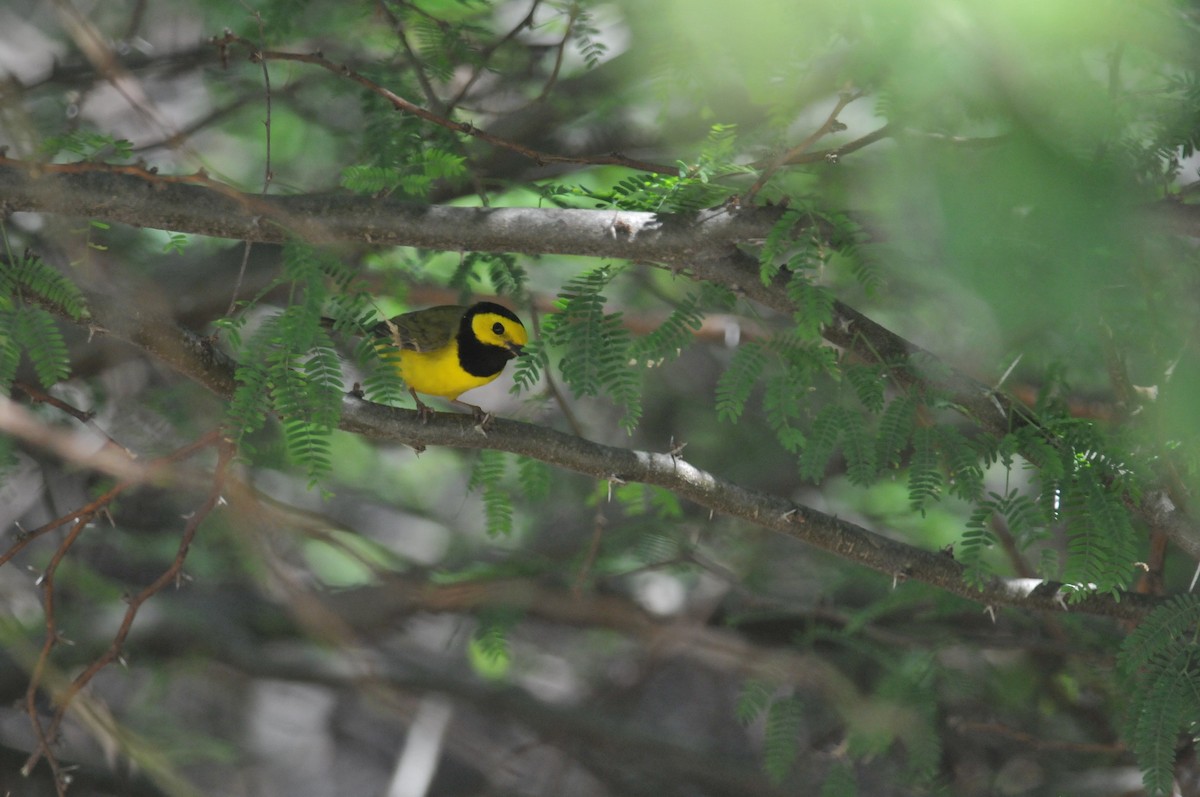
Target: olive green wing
[422,330]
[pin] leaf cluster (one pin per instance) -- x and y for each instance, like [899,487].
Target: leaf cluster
[30,293]
[1159,667]
[288,366]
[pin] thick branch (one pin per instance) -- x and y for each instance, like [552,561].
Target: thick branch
[131,195]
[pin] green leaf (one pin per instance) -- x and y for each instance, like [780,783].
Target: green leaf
[924,472]
[488,479]
[868,383]
[35,331]
[595,344]
[489,650]
[671,337]
[781,737]
[814,306]
[823,438]
[754,700]
[895,428]
[738,380]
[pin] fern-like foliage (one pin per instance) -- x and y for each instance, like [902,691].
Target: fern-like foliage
[10,350]
[924,470]
[1020,514]
[963,459]
[780,240]
[1090,497]
[814,306]
[86,144]
[400,153]
[823,437]
[699,185]
[29,278]
[637,499]
[530,366]
[488,479]
[489,647]
[534,477]
[738,380]
[288,365]
[587,38]
[595,344]
[753,700]
[868,382]
[1159,666]
[895,428]
[671,337]
[840,782]
[507,277]
[36,333]
[781,736]
[27,288]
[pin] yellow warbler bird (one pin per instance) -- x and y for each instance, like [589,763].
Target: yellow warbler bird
[447,350]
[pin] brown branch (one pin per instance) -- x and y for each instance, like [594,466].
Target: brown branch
[464,128]
[834,154]
[116,461]
[225,455]
[195,203]
[830,125]
[46,583]
[1034,742]
[847,540]
[490,50]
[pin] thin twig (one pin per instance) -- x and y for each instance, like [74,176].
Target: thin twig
[830,125]
[401,104]
[488,52]
[267,175]
[172,573]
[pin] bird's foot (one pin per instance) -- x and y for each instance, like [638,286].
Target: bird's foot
[424,411]
[482,419]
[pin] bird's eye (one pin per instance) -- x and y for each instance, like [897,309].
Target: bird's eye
[498,328]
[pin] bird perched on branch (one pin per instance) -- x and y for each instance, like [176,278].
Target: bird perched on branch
[445,351]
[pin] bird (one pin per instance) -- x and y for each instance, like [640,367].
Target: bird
[447,350]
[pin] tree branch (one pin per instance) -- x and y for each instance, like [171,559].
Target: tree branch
[195,204]
[703,243]
[847,540]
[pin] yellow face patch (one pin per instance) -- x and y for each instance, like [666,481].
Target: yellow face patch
[496,330]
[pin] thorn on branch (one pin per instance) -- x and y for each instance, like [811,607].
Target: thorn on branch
[613,479]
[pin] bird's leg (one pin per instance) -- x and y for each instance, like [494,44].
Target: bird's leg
[423,410]
[482,419]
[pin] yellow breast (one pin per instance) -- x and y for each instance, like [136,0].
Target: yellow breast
[438,373]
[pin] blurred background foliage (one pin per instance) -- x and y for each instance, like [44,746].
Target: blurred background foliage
[544,633]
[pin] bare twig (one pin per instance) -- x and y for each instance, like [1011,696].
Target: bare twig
[171,574]
[830,125]
[464,128]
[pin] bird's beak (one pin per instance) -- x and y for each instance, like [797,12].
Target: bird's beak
[515,349]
